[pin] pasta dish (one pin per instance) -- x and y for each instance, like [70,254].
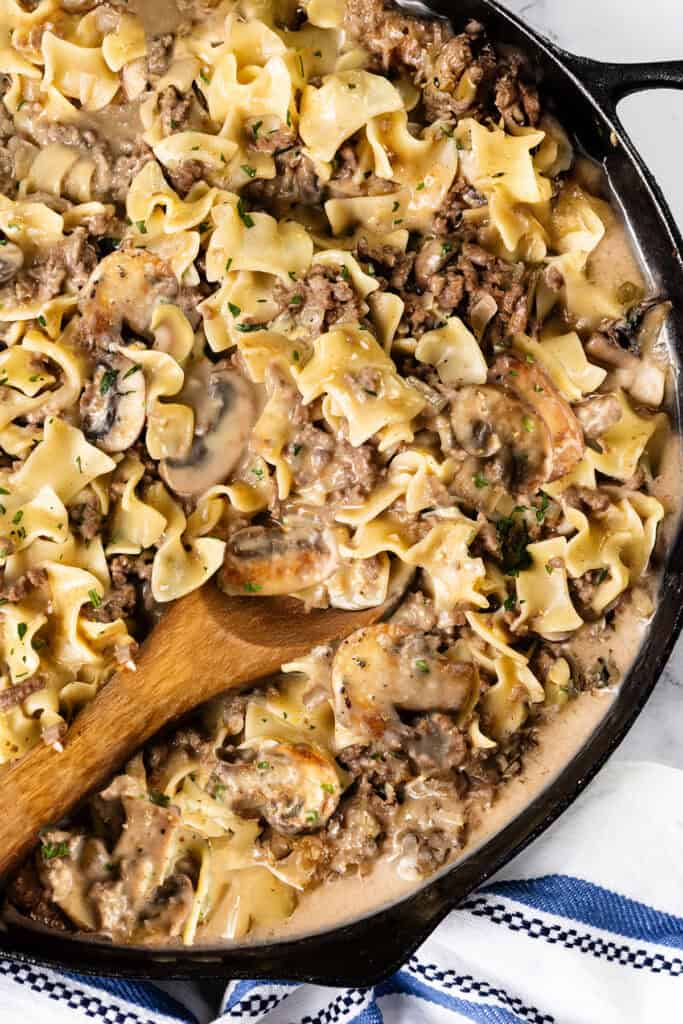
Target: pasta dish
[318,301]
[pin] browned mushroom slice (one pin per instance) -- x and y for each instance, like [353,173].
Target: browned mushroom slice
[597,414]
[126,287]
[11,261]
[294,786]
[388,666]
[530,383]
[224,413]
[113,404]
[490,423]
[277,560]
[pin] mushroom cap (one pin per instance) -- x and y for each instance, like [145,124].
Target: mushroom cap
[387,666]
[488,421]
[530,383]
[126,287]
[294,786]
[224,410]
[113,404]
[272,560]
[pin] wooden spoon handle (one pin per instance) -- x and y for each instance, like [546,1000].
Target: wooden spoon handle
[188,659]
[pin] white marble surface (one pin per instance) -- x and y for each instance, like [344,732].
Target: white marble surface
[631,31]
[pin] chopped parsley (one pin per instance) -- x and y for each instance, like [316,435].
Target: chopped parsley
[549,568]
[422,666]
[289,118]
[133,369]
[301,67]
[498,174]
[95,599]
[258,472]
[297,449]
[510,603]
[204,77]
[141,226]
[160,799]
[542,508]
[219,791]
[295,356]
[235,310]
[446,248]
[263,766]
[327,787]
[252,588]
[228,265]
[296,300]
[248,328]
[344,271]
[17,517]
[21,630]
[528,424]
[3,241]
[311,816]
[204,226]
[3,490]
[480,481]
[395,206]
[249,170]
[245,217]
[52,850]
[513,538]
[292,275]
[78,463]
[108,380]
[42,321]
[602,576]
[255,128]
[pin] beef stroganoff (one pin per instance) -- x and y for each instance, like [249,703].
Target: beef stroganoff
[312,300]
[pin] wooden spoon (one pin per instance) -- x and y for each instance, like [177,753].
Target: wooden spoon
[206,643]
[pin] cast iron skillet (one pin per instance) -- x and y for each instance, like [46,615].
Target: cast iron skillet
[366,951]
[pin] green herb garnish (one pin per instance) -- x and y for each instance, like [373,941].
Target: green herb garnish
[108,380]
[245,217]
[51,850]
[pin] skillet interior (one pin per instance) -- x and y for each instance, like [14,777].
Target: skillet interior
[368,949]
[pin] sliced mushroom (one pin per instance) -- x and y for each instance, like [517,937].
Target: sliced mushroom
[388,666]
[277,560]
[597,414]
[429,261]
[113,404]
[490,422]
[528,382]
[603,350]
[11,261]
[224,413]
[294,786]
[126,287]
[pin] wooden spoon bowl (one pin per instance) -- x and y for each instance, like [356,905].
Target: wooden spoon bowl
[206,643]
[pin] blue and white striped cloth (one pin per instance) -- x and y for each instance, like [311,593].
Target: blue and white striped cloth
[585,927]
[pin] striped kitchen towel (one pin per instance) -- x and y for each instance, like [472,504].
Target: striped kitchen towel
[585,927]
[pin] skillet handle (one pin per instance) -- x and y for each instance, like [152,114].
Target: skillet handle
[609,82]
